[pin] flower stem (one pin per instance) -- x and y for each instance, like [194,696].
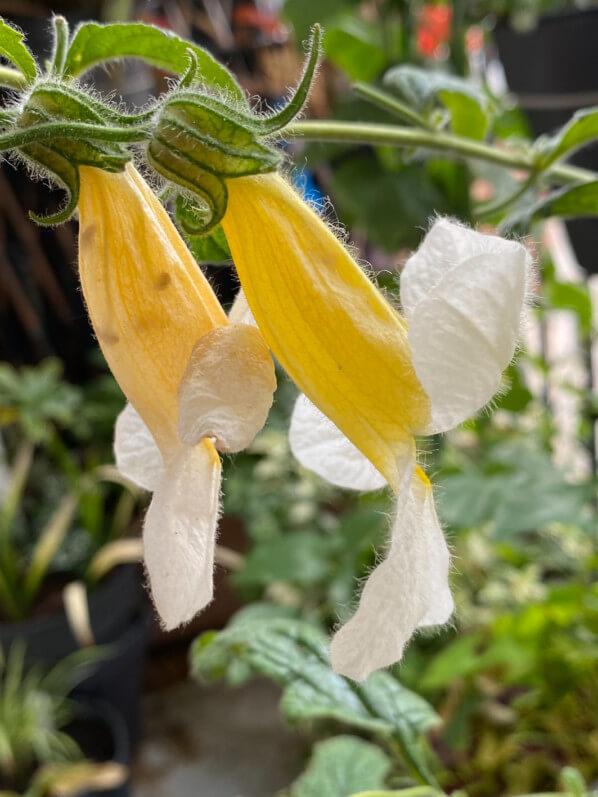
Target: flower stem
[77,130]
[389,103]
[397,136]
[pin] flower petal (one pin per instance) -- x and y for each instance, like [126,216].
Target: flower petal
[334,333]
[409,589]
[180,534]
[227,388]
[320,446]
[240,312]
[447,245]
[137,456]
[147,298]
[464,332]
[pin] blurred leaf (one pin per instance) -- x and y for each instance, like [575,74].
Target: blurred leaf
[577,202]
[421,88]
[295,655]
[14,49]
[389,206]
[517,396]
[573,296]
[299,558]
[580,130]
[303,15]
[527,493]
[340,765]
[355,46]
[94,44]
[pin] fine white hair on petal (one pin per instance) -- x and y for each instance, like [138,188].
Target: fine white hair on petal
[408,590]
[137,456]
[240,312]
[227,389]
[179,534]
[448,245]
[320,446]
[464,331]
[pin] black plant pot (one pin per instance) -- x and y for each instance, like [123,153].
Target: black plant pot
[553,70]
[119,618]
[112,607]
[102,735]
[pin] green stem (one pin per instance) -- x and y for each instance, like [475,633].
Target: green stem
[390,103]
[396,136]
[61,40]
[12,78]
[492,208]
[51,130]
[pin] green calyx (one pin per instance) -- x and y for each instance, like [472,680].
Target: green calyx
[61,128]
[199,142]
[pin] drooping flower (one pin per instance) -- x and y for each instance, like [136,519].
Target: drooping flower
[373,379]
[196,383]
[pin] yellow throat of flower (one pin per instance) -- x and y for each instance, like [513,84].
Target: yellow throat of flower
[148,301]
[337,337]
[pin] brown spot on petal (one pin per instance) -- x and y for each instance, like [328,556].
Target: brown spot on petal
[107,338]
[88,234]
[163,281]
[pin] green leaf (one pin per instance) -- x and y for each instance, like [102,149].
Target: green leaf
[210,249]
[355,47]
[468,118]
[93,44]
[13,48]
[421,88]
[580,130]
[526,494]
[300,558]
[389,206]
[295,655]
[571,296]
[340,765]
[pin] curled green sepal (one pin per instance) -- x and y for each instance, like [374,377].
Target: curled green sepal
[63,172]
[207,248]
[199,142]
[59,108]
[197,147]
[205,191]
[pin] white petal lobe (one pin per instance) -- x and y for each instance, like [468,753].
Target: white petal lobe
[180,534]
[446,246]
[240,313]
[227,389]
[135,451]
[320,446]
[409,589]
[463,334]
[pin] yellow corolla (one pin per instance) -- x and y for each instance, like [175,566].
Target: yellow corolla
[195,382]
[372,378]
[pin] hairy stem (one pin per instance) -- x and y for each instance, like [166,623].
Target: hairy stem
[396,136]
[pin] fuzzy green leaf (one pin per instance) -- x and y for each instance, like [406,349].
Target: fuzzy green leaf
[421,88]
[580,130]
[577,202]
[295,654]
[94,44]
[340,765]
[13,48]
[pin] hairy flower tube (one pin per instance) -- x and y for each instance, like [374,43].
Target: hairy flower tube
[373,379]
[197,384]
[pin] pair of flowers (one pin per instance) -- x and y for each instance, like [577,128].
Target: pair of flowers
[199,382]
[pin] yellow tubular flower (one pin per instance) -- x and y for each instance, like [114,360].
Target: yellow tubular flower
[372,379]
[340,341]
[195,382]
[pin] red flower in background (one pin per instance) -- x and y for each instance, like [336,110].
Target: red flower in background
[433,29]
